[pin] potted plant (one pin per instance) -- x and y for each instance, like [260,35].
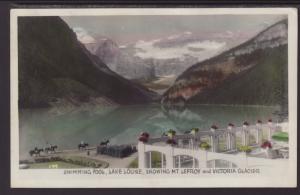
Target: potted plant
[270,121]
[214,127]
[171,133]
[194,131]
[230,126]
[266,146]
[245,124]
[171,142]
[258,122]
[144,136]
[204,146]
[246,149]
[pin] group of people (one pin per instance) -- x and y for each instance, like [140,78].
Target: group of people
[49,149]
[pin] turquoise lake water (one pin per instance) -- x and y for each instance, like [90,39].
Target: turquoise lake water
[123,124]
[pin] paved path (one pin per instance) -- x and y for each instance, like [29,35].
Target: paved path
[112,161]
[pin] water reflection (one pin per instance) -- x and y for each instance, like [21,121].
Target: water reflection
[123,124]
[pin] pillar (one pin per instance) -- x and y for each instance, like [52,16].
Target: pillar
[162,160]
[201,157]
[192,143]
[233,141]
[214,143]
[179,161]
[142,157]
[259,136]
[194,163]
[228,141]
[169,157]
[245,137]
[270,131]
[213,164]
[150,160]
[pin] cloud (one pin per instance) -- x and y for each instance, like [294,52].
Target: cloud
[187,33]
[83,36]
[182,35]
[173,37]
[122,46]
[200,49]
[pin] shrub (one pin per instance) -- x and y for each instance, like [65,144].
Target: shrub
[194,130]
[204,145]
[281,136]
[246,149]
[171,132]
[134,164]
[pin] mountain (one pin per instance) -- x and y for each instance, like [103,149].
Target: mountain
[121,60]
[107,51]
[155,63]
[173,54]
[54,68]
[164,56]
[253,73]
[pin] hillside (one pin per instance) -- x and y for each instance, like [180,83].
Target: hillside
[54,67]
[253,73]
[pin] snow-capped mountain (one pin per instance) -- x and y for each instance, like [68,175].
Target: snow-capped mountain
[120,60]
[166,56]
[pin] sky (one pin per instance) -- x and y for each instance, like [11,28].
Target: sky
[167,37]
[128,29]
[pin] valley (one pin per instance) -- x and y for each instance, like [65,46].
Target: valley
[182,68]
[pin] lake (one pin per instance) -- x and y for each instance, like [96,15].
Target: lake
[123,124]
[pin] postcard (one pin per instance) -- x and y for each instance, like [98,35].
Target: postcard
[153,97]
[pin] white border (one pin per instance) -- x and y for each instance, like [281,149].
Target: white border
[55,178]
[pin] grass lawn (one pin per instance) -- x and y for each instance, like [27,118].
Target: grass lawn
[281,136]
[54,165]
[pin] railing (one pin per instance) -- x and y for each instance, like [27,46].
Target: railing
[217,132]
[191,148]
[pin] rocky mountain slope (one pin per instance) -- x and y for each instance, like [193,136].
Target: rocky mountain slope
[254,72]
[121,60]
[54,68]
[161,57]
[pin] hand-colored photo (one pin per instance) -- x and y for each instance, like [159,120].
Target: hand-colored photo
[149,91]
